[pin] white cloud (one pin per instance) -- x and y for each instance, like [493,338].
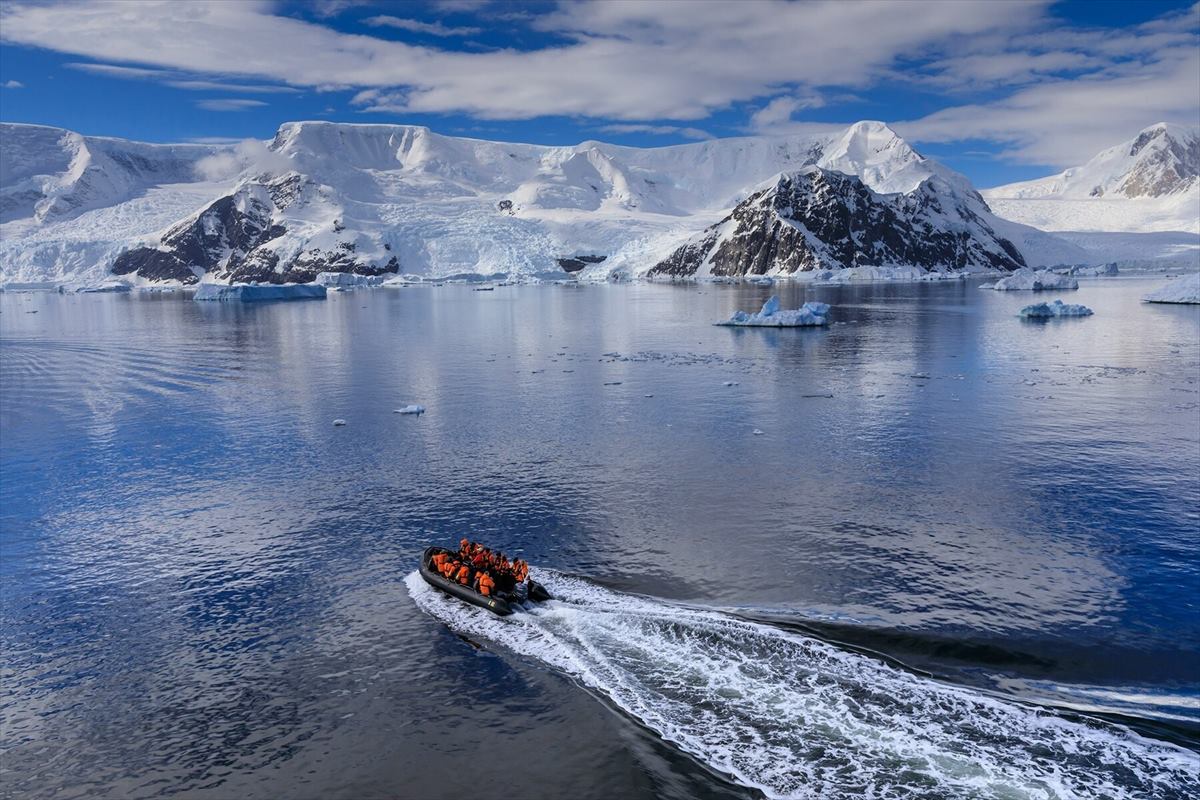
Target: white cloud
[778,113]
[331,8]
[220,86]
[416,26]
[1060,93]
[623,60]
[247,155]
[658,130]
[229,104]
[118,71]
[177,79]
[13,85]
[1064,122]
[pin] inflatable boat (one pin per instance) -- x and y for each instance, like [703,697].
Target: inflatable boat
[502,603]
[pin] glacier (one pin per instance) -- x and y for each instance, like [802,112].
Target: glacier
[382,201]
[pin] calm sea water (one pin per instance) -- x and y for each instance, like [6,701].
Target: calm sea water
[930,551]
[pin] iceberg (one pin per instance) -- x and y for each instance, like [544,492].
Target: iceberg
[874,273]
[111,287]
[1056,309]
[1085,271]
[348,280]
[770,316]
[1180,290]
[1026,279]
[410,409]
[258,292]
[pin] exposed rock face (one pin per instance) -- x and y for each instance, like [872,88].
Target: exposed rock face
[577,263]
[1164,164]
[235,238]
[821,219]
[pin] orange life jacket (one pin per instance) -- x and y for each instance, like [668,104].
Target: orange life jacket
[486,584]
[463,575]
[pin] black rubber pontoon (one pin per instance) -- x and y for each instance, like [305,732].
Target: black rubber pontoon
[501,603]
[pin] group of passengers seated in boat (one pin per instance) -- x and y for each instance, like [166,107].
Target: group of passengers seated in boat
[485,571]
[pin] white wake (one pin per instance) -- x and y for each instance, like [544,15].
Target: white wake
[798,718]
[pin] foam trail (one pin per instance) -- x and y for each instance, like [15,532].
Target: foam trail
[798,718]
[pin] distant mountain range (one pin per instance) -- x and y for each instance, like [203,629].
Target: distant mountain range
[380,199]
[1149,183]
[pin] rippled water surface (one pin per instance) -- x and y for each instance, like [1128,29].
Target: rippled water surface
[931,551]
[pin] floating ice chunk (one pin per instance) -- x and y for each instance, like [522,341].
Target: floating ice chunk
[117,287]
[730,383]
[258,292]
[758,432]
[1026,279]
[1180,290]
[337,423]
[1084,271]
[1056,309]
[770,316]
[410,409]
[347,280]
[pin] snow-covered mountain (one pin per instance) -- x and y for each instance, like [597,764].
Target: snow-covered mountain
[374,199]
[1149,183]
[821,219]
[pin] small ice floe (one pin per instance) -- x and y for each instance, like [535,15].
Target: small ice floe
[1084,271]
[770,316]
[1056,309]
[761,280]
[758,432]
[874,273]
[340,281]
[1026,279]
[337,423]
[410,409]
[259,292]
[730,383]
[1180,290]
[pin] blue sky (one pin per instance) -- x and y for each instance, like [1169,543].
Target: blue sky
[1001,91]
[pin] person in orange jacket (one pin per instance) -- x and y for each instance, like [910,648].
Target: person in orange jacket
[463,575]
[485,584]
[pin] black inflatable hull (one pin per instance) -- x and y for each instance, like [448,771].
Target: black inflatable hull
[497,605]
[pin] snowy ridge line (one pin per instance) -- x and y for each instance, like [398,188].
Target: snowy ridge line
[373,200]
[795,717]
[1150,183]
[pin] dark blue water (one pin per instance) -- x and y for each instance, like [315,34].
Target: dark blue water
[960,559]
